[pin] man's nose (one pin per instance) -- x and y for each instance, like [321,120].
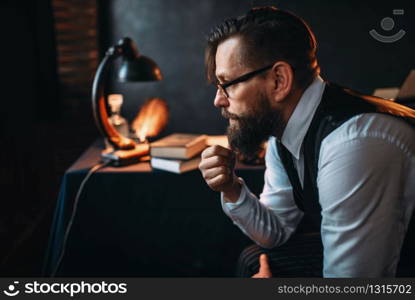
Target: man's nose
[220,100]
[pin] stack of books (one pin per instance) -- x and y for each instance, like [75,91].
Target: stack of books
[178,152]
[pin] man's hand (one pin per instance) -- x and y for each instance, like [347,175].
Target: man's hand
[264,269]
[217,167]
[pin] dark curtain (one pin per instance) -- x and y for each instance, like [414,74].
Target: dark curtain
[30,110]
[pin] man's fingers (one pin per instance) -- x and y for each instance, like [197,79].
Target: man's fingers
[218,181]
[261,275]
[213,162]
[217,166]
[216,150]
[213,172]
[264,268]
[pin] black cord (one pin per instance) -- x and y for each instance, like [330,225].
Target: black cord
[75,206]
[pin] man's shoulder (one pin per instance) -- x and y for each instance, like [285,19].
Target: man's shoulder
[366,126]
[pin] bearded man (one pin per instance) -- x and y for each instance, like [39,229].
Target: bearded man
[340,167]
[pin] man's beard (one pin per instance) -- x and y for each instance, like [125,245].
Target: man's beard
[249,131]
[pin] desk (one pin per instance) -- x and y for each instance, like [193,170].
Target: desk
[135,221]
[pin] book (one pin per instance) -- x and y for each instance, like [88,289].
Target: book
[175,165]
[179,145]
[404,95]
[386,93]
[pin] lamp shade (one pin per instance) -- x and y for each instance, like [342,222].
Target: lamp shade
[139,68]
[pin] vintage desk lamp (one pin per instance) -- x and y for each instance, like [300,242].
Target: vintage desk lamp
[134,67]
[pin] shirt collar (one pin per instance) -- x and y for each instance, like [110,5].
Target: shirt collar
[300,119]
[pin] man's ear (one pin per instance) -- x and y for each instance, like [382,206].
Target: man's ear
[282,81]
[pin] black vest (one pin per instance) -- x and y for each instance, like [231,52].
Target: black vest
[336,107]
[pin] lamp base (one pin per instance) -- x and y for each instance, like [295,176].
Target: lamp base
[120,158]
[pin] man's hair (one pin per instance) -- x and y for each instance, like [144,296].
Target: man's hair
[268,35]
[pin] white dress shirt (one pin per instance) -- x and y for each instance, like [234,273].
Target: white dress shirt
[366,183]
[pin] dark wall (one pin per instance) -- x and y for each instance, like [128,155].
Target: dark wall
[172,33]
[38,141]
[29,109]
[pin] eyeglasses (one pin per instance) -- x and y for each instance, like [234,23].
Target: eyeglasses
[222,87]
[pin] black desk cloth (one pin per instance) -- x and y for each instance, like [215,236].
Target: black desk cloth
[135,221]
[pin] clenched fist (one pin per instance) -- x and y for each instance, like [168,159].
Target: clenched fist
[217,167]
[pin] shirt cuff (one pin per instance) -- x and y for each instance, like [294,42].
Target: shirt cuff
[242,196]
[242,206]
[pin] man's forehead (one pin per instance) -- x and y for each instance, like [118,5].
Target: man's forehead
[228,58]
